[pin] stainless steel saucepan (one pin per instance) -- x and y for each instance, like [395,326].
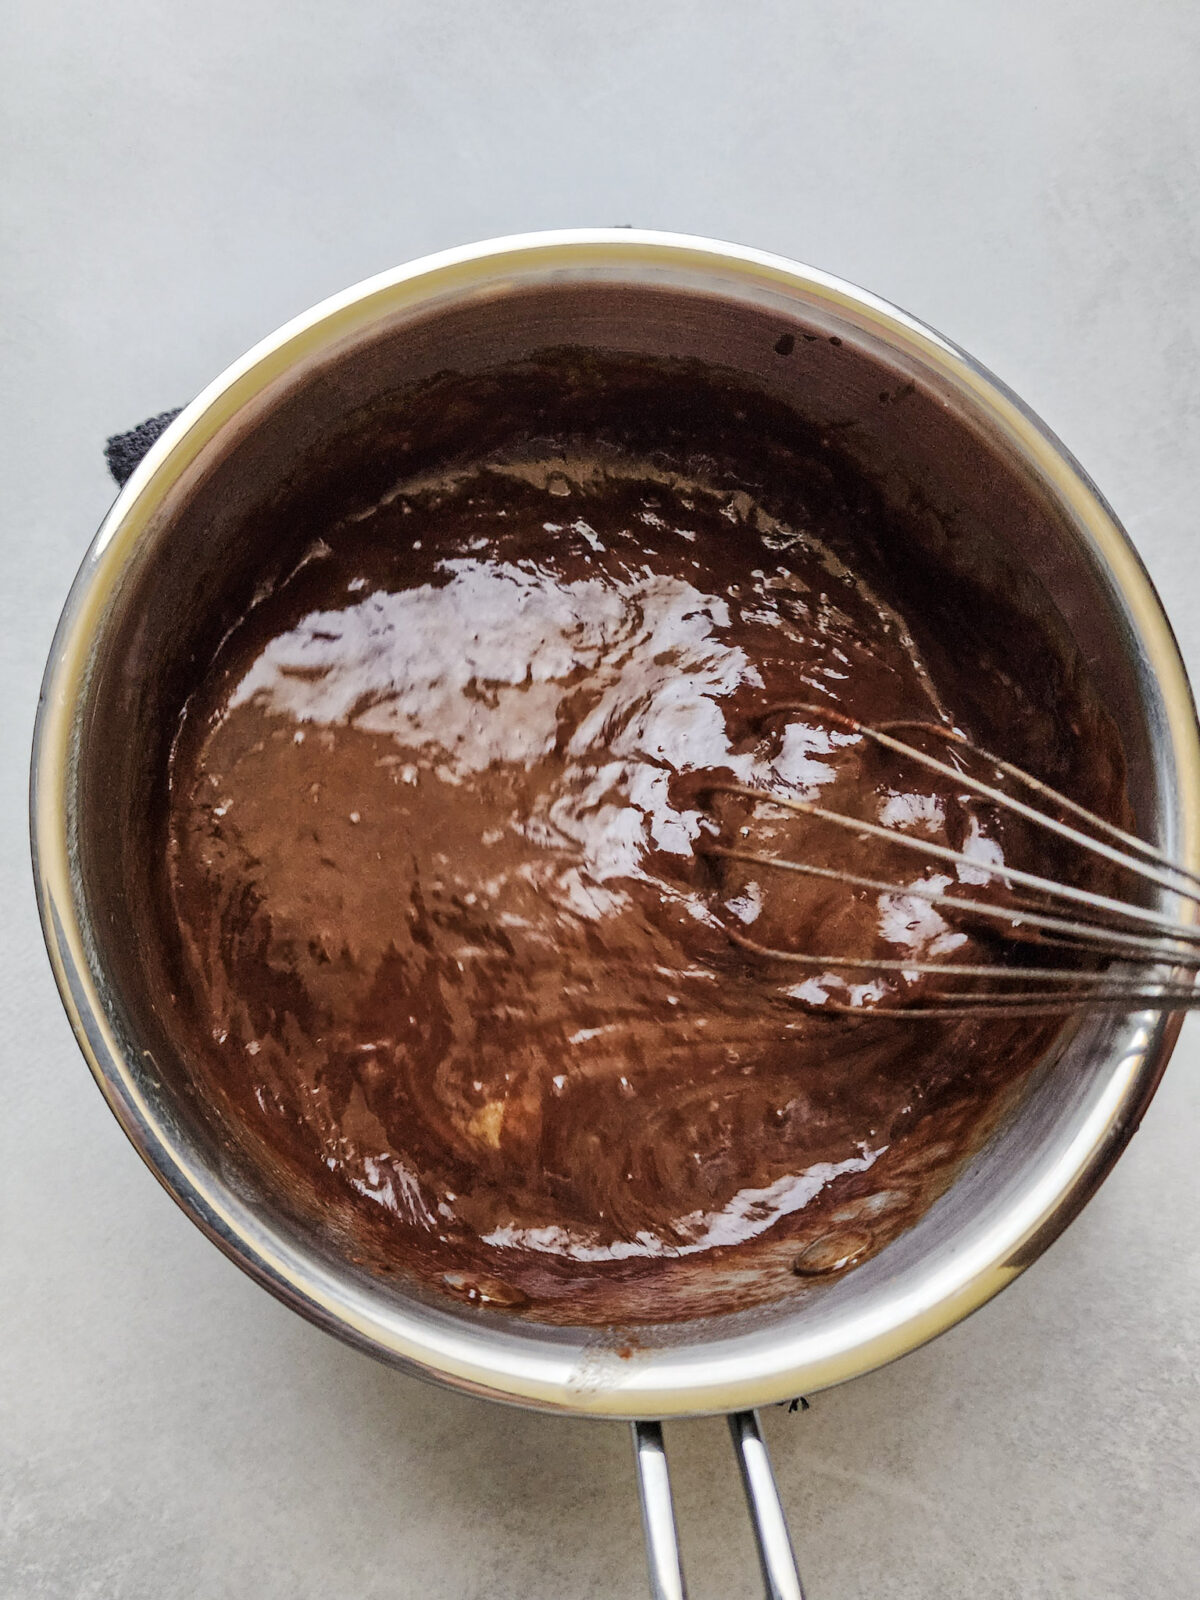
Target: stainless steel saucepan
[1019,506]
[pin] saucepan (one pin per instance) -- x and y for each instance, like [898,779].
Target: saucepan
[928,422]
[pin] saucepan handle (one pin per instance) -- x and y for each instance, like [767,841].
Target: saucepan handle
[780,1578]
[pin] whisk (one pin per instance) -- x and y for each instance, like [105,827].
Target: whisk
[1094,950]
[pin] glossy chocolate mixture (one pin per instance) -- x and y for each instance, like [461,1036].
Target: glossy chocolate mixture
[454,952]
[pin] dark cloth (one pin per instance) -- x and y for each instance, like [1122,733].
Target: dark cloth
[124,450]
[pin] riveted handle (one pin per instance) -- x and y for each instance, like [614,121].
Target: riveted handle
[775,1553]
[781,1579]
[658,1513]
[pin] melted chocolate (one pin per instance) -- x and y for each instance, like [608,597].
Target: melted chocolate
[454,956]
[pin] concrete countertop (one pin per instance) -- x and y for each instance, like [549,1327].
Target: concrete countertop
[179,180]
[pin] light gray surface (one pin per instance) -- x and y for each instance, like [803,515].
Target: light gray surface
[180,180]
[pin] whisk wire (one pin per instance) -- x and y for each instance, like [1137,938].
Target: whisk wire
[1164,877]
[957,858]
[1130,840]
[1064,976]
[1163,949]
[1080,934]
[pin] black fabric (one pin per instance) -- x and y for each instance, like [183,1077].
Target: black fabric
[124,450]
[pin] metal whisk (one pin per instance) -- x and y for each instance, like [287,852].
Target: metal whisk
[1093,950]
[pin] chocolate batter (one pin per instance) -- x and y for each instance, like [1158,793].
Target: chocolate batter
[454,955]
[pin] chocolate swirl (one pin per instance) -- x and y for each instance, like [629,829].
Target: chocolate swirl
[452,956]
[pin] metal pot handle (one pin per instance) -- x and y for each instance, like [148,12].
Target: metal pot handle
[780,1577]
